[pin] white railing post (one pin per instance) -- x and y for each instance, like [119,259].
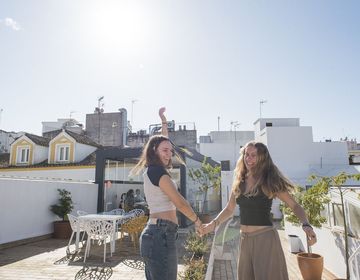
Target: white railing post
[215,250]
[355,256]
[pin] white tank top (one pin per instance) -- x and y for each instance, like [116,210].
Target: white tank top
[157,200]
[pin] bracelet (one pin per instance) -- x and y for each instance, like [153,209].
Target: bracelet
[197,218]
[307,225]
[216,223]
[164,122]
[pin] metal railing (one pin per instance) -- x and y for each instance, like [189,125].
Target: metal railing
[216,248]
[354,259]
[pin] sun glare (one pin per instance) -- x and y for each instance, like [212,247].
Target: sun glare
[116,24]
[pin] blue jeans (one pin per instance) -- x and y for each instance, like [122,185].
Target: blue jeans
[158,249]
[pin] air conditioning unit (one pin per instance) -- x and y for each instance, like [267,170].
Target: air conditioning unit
[171,125]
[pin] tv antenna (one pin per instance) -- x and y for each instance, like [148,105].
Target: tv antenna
[261,102]
[132,111]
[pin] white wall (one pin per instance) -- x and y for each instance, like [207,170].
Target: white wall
[40,153]
[226,186]
[294,152]
[329,244]
[65,173]
[260,124]
[225,145]
[221,151]
[25,206]
[290,148]
[51,126]
[329,153]
[82,151]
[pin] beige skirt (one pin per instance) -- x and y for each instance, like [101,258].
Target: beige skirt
[261,256]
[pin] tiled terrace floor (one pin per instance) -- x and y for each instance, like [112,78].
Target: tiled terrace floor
[47,259]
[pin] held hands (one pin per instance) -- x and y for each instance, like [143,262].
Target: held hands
[207,228]
[310,234]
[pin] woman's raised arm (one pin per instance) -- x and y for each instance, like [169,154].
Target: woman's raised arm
[164,127]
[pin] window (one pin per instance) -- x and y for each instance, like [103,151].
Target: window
[63,153]
[338,218]
[354,219]
[23,155]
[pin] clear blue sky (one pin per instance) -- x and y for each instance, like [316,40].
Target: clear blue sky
[200,59]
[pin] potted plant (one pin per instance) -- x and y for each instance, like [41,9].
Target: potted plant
[207,176]
[196,245]
[313,201]
[194,270]
[336,184]
[195,267]
[62,229]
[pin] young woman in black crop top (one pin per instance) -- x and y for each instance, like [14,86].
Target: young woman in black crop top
[257,181]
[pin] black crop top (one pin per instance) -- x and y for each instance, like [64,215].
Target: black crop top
[255,210]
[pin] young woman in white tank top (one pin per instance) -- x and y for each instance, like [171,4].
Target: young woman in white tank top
[158,239]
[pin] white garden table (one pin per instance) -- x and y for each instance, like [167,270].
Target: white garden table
[99,217]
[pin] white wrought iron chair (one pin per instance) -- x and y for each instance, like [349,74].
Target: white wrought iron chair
[81,213]
[135,213]
[117,211]
[100,231]
[76,225]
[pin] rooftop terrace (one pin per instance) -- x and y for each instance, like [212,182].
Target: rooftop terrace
[47,259]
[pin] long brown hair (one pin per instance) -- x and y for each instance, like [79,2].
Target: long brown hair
[150,157]
[268,177]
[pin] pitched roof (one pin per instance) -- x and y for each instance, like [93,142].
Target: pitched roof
[80,138]
[38,140]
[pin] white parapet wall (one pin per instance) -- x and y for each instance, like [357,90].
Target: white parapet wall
[25,205]
[329,245]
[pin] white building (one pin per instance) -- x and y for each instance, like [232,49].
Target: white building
[293,150]
[224,145]
[69,124]
[6,138]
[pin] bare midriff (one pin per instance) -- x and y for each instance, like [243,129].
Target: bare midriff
[248,229]
[166,215]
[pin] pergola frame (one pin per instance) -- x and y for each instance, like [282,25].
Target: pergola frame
[119,154]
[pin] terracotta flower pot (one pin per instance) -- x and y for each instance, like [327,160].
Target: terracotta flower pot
[311,265]
[62,229]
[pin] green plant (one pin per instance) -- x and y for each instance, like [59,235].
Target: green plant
[313,201]
[65,205]
[196,245]
[194,270]
[207,176]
